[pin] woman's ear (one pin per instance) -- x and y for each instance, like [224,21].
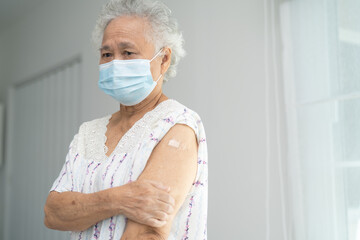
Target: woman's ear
[166,60]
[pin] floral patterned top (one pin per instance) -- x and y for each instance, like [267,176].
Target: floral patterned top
[87,169]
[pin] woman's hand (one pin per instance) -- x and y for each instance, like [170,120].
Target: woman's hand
[147,202]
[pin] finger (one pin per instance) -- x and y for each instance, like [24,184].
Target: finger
[153,222]
[161,216]
[166,198]
[167,208]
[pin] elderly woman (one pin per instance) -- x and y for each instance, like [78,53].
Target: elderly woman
[141,172]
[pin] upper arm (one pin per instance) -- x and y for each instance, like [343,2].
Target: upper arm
[174,163]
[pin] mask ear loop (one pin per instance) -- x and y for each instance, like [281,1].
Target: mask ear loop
[158,78]
[153,59]
[156,54]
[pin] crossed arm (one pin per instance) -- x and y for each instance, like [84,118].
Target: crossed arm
[172,162]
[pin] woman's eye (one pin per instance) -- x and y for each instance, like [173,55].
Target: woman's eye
[106,55]
[127,53]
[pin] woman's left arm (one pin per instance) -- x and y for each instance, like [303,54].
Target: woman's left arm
[174,163]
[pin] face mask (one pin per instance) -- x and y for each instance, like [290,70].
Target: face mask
[128,81]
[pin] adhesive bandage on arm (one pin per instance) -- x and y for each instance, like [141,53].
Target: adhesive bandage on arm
[174,143]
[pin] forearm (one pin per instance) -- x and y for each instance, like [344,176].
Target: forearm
[137,231]
[73,211]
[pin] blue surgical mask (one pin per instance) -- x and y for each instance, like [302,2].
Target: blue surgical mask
[128,81]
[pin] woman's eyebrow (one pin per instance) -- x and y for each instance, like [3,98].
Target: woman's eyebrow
[121,45]
[105,48]
[126,45]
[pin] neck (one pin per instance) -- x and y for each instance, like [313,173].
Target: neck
[128,112]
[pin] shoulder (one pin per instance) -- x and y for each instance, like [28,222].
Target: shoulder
[186,116]
[182,114]
[176,118]
[94,123]
[180,110]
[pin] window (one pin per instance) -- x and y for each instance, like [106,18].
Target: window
[321,42]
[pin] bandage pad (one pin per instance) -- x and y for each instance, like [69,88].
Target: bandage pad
[174,143]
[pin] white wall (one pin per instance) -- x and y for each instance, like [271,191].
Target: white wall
[222,78]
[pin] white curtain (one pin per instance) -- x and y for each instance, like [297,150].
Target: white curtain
[321,62]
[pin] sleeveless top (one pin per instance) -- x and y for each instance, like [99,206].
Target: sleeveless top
[87,169]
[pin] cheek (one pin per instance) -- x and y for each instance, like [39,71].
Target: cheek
[155,69]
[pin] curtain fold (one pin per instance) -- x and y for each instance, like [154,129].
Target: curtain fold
[321,56]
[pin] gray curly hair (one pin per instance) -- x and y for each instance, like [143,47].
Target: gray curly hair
[164,28]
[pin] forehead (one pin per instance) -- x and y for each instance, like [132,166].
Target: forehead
[130,29]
